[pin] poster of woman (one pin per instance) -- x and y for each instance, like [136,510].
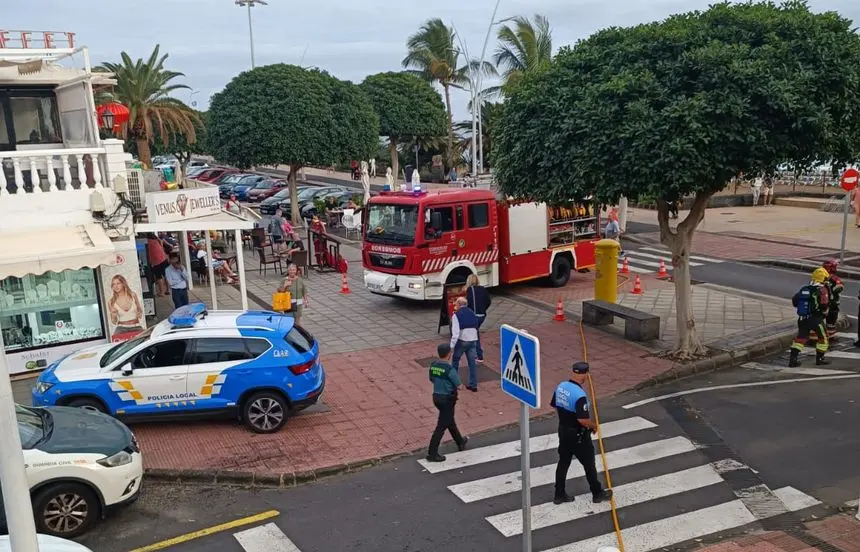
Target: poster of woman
[122,292]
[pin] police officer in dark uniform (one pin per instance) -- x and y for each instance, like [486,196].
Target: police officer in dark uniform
[575,427]
[445,382]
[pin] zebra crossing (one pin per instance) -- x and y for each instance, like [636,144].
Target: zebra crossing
[656,475]
[647,259]
[843,349]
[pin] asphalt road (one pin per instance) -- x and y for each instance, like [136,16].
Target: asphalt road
[728,455]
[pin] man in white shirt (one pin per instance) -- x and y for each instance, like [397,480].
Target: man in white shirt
[464,340]
[177,279]
[756,189]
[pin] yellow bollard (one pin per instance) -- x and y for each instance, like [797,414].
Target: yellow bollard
[606,279]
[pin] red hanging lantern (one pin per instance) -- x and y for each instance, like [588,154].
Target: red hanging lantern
[112,114]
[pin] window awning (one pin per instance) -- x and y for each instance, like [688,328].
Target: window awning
[221,221]
[37,251]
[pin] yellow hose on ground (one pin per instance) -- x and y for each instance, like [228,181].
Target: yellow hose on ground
[600,442]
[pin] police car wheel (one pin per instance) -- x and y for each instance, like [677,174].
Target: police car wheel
[88,404]
[265,412]
[65,510]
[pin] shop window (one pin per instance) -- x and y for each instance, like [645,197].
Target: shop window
[35,120]
[53,308]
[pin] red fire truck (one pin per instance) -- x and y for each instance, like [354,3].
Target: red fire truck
[417,242]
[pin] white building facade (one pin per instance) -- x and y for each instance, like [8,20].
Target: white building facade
[70,271]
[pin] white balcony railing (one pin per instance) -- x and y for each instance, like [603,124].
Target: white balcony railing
[51,170]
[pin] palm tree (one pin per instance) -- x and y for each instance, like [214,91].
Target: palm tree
[144,88]
[524,48]
[490,112]
[433,56]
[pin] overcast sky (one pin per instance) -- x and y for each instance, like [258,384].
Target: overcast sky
[208,39]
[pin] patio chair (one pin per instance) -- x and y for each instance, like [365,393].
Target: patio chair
[300,259]
[267,258]
[352,223]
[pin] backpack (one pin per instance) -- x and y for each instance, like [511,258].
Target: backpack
[804,301]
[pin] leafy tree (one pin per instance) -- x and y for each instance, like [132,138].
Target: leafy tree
[679,107]
[523,48]
[144,87]
[177,144]
[407,107]
[284,114]
[433,56]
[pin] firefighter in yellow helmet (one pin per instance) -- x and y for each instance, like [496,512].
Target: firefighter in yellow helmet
[811,302]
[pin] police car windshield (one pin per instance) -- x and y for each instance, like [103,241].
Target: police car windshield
[122,348]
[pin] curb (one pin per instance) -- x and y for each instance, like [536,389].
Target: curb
[844,273]
[264,480]
[774,344]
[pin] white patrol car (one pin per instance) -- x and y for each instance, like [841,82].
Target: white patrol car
[256,365]
[80,465]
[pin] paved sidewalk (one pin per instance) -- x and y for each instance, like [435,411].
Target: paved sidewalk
[835,533]
[378,403]
[747,233]
[718,312]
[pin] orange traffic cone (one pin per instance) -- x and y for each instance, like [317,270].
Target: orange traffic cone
[559,311]
[625,267]
[662,274]
[637,286]
[344,284]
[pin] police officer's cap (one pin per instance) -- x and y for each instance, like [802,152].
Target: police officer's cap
[443,349]
[580,367]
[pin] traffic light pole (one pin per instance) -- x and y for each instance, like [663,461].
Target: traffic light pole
[13,477]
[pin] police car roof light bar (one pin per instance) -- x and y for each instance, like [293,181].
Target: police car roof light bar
[186,316]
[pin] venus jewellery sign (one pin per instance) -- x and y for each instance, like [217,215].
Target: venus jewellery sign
[179,205]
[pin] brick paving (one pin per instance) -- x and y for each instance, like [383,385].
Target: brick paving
[839,531]
[379,403]
[358,320]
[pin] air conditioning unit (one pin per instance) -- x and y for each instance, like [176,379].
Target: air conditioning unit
[136,192]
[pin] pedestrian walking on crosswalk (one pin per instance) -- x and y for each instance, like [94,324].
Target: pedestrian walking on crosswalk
[445,381]
[575,427]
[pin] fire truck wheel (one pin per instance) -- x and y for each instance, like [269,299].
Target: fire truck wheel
[560,271]
[458,276]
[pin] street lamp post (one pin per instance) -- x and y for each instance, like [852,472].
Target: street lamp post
[250,4]
[13,477]
[476,109]
[108,122]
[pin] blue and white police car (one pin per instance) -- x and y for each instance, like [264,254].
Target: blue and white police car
[256,365]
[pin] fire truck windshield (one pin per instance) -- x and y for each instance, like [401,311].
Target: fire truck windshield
[391,224]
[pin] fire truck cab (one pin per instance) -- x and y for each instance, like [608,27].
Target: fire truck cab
[416,242]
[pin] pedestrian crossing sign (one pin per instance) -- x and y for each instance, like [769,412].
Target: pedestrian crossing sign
[520,369]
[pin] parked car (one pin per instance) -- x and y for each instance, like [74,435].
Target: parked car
[256,366]
[241,189]
[192,172]
[266,189]
[209,175]
[225,186]
[47,543]
[341,200]
[269,205]
[307,195]
[76,457]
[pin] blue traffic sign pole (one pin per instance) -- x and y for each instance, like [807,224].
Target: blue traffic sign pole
[520,378]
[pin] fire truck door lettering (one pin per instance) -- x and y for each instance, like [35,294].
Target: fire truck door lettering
[438,250]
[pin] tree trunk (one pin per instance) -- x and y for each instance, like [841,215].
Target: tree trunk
[144,153]
[294,196]
[680,241]
[395,159]
[450,156]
